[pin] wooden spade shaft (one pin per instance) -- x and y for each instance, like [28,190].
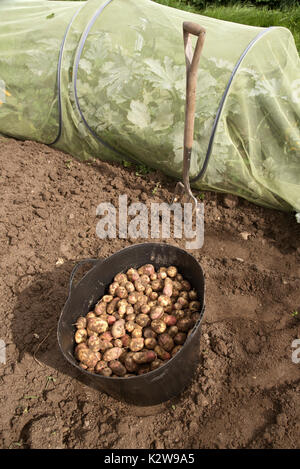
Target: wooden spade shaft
[192,61]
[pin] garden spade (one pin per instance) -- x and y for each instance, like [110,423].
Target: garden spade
[192,58]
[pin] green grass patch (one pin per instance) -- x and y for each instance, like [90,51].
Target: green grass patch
[246,14]
[288,17]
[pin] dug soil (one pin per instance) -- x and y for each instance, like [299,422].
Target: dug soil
[246,392]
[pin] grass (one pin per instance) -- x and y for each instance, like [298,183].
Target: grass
[245,14]
[288,17]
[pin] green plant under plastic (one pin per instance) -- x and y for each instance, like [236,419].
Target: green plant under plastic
[121,71]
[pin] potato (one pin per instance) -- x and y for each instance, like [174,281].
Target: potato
[103,316]
[145,309]
[117,368]
[83,354]
[149,333]
[106,336]
[137,308]
[184,294]
[112,306]
[158,325]
[162,275]
[143,369]
[132,298]
[81,346]
[172,331]
[193,295]
[177,286]
[130,364]
[157,312]
[112,354]
[180,338]
[156,364]
[169,319]
[92,359]
[118,329]
[130,317]
[164,300]
[136,344]
[154,276]
[112,288]
[94,343]
[186,285]
[81,323]
[194,318]
[105,372]
[179,278]
[129,326]
[122,310]
[144,356]
[147,269]
[148,291]
[157,285]
[100,308]
[183,302]
[150,343]
[100,365]
[153,296]
[169,309]
[166,342]
[107,298]
[139,286]
[121,292]
[80,336]
[129,287]
[125,340]
[104,344]
[97,325]
[172,271]
[111,320]
[162,353]
[145,280]
[176,349]
[129,310]
[123,302]
[121,278]
[168,287]
[123,355]
[195,306]
[83,366]
[143,320]
[117,343]
[184,324]
[90,314]
[175,294]
[143,300]
[162,269]
[179,314]
[132,274]
[137,332]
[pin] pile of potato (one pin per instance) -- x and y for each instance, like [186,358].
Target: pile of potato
[141,323]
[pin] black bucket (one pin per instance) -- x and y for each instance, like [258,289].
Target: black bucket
[171,378]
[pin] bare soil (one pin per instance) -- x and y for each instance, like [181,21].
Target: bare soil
[246,392]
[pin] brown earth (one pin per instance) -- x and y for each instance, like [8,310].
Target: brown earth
[246,393]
